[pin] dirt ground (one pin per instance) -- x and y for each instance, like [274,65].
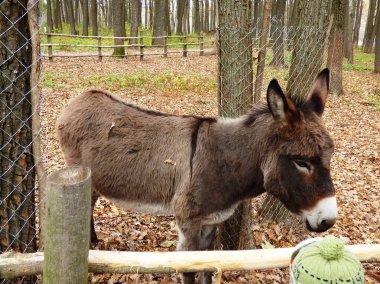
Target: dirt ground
[353,121]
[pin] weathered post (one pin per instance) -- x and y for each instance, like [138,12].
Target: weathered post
[67,238]
[201,44]
[184,52]
[100,48]
[141,45]
[50,47]
[165,46]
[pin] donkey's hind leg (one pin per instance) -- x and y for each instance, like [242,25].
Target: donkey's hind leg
[208,235]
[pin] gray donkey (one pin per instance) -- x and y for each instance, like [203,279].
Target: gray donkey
[200,169]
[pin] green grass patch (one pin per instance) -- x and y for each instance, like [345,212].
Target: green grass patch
[362,61]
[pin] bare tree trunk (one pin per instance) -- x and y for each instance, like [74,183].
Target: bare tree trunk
[197,18]
[348,41]
[159,22]
[367,45]
[336,44]
[207,16]
[308,50]
[278,34]
[70,16]
[377,19]
[118,25]
[17,165]
[358,17]
[49,17]
[180,15]
[377,45]
[151,14]
[94,17]
[134,21]
[167,18]
[85,16]
[235,87]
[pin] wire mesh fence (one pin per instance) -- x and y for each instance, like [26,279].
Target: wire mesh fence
[18,134]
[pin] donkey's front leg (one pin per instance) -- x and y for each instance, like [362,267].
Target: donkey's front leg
[189,237]
[208,235]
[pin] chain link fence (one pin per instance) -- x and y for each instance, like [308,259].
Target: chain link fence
[19,131]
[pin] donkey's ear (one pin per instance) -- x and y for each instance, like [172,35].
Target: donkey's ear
[316,99]
[283,109]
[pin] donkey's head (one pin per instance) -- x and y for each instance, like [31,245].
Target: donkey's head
[297,168]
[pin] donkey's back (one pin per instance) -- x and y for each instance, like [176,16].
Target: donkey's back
[138,157]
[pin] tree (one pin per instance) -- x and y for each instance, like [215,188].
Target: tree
[158,23]
[118,27]
[358,17]
[278,34]
[49,16]
[235,83]
[367,44]
[94,17]
[206,26]
[348,42]
[181,4]
[134,21]
[307,56]
[377,45]
[197,17]
[336,43]
[70,16]
[17,168]
[84,4]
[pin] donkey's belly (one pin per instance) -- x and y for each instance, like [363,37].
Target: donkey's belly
[141,207]
[219,216]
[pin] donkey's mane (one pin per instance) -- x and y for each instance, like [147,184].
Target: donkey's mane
[255,112]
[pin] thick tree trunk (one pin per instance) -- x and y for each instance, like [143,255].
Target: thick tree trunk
[17,169]
[278,34]
[70,16]
[134,21]
[348,40]
[180,15]
[168,30]
[196,18]
[94,17]
[336,43]
[235,86]
[358,17]
[307,57]
[206,26]
[377,45]
[367,44]
[49,16]
[159,22]
[85,16]
[376,21]
[118,26]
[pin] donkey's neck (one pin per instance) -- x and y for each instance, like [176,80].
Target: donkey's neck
[242,150]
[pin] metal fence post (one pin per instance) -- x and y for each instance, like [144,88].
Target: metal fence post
[67,238]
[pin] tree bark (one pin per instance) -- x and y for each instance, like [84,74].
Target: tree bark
[159,22]
[358,17]
[235,85]
[168,30]
[367,44]
[85,16]
[180,15]
[377,46]
[207,16]
[70,16]
[309,47]
[94,17]
[118,26]
[17,167]
[376,21]
[134,21]
[348,40]
[197,18]
[49,16]
[336,44]
[278,34]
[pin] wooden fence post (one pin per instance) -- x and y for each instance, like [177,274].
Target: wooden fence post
[141,45]
[201,44]
[67,238]
[184,52]
[100,48]
[165,46]
[50,47]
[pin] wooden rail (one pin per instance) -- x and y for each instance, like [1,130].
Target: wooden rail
[13,265]
[140,47]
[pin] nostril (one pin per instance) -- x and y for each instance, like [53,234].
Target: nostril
[327,223]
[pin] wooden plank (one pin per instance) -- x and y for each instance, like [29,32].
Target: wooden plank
[18,264]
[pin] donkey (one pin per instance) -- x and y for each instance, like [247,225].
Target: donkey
[199,168]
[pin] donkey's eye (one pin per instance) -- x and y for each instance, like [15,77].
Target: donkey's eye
[302,165]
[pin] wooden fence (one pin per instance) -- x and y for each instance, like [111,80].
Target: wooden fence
[67,258]
[137,49]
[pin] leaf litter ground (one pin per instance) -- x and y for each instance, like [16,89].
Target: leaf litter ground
[188,86]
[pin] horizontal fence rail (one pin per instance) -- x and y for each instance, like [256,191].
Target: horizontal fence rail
[16,264]
[138,48]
